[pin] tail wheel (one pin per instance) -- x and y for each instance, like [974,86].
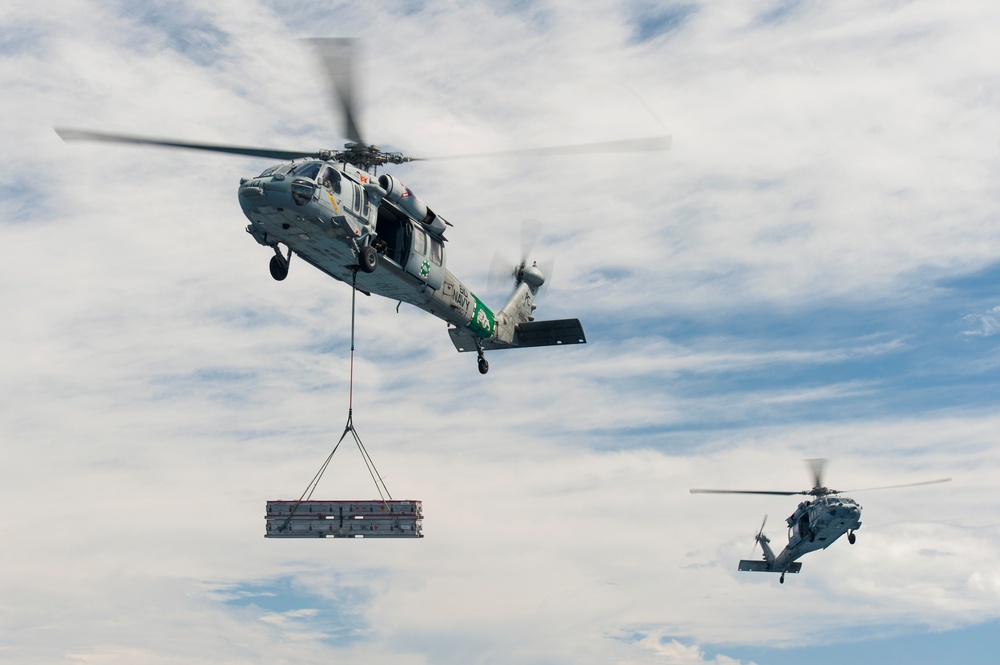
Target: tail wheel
[483,366]
[368,258]
[851,538]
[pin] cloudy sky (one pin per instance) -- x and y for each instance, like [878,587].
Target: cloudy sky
[811,271]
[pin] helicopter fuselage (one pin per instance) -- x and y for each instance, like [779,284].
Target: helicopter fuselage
[816,524]
[331,214]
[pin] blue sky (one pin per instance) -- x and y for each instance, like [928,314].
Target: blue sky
[811,271]
[976,644]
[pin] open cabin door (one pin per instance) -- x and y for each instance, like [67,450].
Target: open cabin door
[426,259]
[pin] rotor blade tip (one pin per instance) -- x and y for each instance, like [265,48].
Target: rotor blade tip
[67,134]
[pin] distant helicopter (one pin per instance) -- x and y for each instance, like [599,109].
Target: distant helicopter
[814,525]
[373,232]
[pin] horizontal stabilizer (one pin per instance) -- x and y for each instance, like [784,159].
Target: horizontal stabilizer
[465,341]
[759,566]
[549,333]
[532,333]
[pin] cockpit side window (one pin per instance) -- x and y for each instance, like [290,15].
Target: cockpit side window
[330,178]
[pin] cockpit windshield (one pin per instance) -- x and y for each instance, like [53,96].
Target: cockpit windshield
[307,170]
[274,170]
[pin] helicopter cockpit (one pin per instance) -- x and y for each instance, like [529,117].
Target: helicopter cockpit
[307,170]
[277,169]
[308,175]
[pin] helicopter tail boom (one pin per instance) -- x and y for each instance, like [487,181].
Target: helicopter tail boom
[514,325]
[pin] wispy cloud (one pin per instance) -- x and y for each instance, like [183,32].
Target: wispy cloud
[986,324]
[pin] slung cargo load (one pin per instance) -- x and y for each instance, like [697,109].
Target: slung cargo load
[344,519]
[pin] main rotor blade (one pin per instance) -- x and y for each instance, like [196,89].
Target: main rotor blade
[652,144]
[337,58]
[892,487]
[744,492]
[84,135]
[816,466]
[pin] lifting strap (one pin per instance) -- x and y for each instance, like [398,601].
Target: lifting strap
[383,491]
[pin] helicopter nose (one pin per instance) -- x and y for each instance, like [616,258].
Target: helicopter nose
[274,192]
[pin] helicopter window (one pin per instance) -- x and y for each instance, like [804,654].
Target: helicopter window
[269,171]
[307,170]
[357,198]
[330,178]
[419,242]
[437,251]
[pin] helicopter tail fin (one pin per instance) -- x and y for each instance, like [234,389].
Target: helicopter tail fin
[515,322]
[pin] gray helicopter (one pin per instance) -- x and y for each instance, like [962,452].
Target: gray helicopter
[814,525]
[332,210]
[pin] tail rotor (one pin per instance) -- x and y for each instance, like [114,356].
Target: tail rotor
[760,535]
[502,269]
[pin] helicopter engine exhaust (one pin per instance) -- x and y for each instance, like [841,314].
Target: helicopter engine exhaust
[401,195]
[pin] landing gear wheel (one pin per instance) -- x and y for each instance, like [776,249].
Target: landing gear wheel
[368,258]
[781,580]
[851,538]
[279,268]
[483,365]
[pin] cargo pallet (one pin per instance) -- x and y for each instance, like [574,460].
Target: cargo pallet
[344,519]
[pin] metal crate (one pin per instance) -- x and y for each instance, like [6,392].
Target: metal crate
[344,519]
